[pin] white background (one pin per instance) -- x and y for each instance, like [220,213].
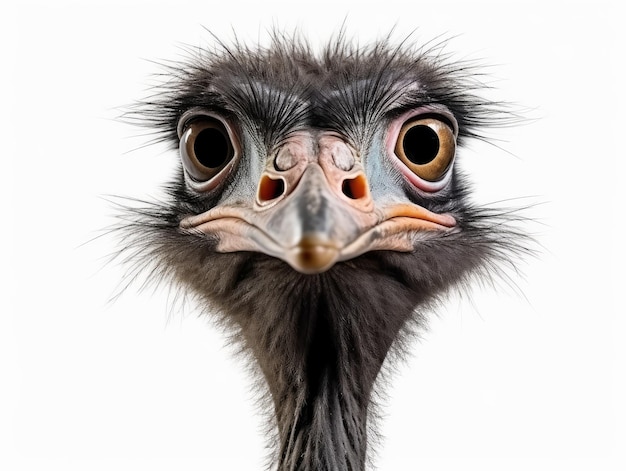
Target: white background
[504,381]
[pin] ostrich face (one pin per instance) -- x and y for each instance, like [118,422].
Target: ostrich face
[318,211]
[317,160]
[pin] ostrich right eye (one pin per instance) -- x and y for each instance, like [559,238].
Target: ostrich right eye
[426,146]
[206,148]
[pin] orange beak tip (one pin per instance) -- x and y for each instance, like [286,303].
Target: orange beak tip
[312,257]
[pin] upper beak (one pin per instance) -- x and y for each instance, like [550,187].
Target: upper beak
[314,224]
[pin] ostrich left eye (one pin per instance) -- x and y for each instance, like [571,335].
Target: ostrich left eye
[206,148]
[427,147]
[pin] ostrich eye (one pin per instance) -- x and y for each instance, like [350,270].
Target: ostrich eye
[426,146]
[206,148]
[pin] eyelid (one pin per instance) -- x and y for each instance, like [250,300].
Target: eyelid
[195,113]
[431,110]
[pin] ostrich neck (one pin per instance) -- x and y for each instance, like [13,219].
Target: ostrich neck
[320,370]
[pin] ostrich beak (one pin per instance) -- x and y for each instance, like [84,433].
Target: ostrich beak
[315,215]
[314,224]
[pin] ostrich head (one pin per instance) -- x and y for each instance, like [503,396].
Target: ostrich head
[319,211]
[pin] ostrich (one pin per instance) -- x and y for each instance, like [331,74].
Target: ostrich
[319,213]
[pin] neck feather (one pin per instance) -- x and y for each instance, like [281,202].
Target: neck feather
[321,360]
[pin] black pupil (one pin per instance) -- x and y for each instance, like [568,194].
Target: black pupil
[211,148]
[421,144]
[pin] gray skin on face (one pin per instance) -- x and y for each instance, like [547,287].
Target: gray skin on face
[315,231]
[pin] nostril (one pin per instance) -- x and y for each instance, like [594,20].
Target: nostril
[355,188]
[270,189]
